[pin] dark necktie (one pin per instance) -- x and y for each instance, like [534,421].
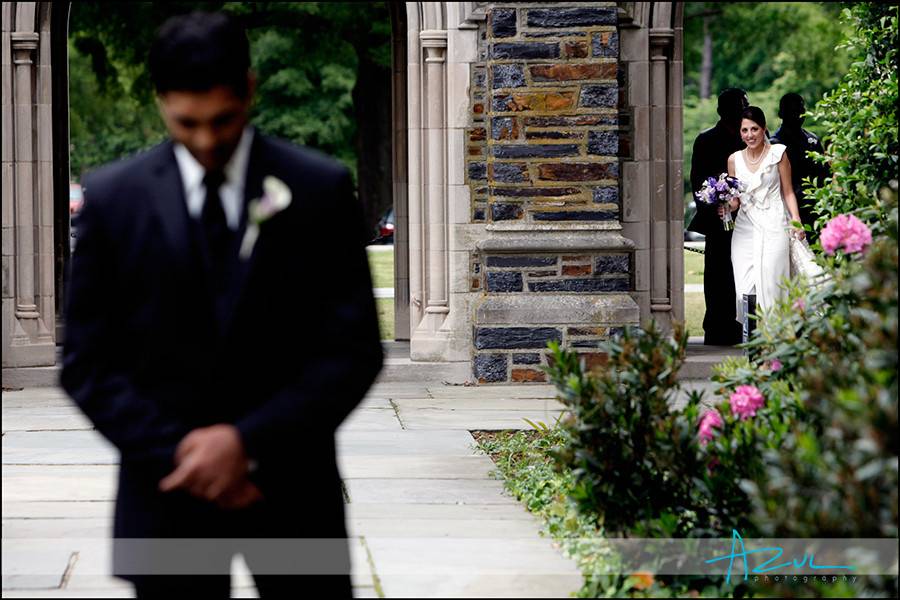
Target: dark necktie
[218,236]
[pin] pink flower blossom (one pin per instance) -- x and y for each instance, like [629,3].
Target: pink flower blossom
[845,231]
[800,304]
[708,421]
[745,401]
[775,365]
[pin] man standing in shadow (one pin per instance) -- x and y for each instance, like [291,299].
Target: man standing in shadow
[710,159]
[799,141]
[217,338]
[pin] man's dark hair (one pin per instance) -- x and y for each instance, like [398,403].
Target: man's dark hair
[731,102]
[200,51]
[791,107]
[755,114]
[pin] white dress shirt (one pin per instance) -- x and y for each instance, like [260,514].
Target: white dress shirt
[232,191]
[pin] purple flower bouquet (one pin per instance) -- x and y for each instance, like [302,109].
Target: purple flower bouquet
[720,191]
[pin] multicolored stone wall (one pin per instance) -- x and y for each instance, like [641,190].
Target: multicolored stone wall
[543,166]
[544,143]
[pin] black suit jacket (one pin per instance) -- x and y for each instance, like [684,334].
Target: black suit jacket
[148,359]
[799,141]
[710,159]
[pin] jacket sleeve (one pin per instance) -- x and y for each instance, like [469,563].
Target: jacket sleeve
[96,370]
[327,388]
[700,170]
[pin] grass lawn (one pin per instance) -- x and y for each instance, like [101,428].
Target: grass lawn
[381,263]
[385,307]
[693,267]
[694,308]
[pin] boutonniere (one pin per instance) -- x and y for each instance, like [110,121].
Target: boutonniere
[276,197]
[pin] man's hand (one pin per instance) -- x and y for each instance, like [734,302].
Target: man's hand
[241,495]
[209,461]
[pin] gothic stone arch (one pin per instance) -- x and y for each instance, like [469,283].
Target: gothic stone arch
[490,96]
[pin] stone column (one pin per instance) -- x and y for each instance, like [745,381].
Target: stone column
[437,306]
[429,341]
[660,289]
[30,342]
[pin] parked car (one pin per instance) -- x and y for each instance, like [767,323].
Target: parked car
[76,201]
[384,230]
[76,198]
[691,236]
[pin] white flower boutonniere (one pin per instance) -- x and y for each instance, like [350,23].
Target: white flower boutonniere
[276,197]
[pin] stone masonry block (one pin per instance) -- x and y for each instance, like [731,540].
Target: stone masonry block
[504,128]
[599,96]
[503,22]
[506,212]
[580,285]
[521,261]
[576,215]
[508,76]
[606,195]
[494,338]
[534,150]
[578,171]
[504,281]
[524,50]
[519,102]
[612,264]
[606,44]
[577,72]
[508,172]
[490,368]
[604,143]
[571,17]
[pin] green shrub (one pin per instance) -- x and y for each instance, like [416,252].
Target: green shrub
[621,440]
[861,116]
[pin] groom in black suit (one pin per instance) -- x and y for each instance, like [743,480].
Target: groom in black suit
[710,159]
[220,325]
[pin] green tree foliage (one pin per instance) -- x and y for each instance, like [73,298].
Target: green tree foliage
[105,125]
[323,70]
[766,48]
[861,117]
[760,45]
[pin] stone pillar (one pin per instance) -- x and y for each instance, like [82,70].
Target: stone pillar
[660,291]
[27,339]
[428,341]
[437,301]
[554,265]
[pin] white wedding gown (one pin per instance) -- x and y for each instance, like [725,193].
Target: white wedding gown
[760,244]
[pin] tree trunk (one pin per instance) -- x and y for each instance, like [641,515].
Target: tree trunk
[372,105]
[706,66]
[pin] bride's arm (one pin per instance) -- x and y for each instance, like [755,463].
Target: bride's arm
[787,191]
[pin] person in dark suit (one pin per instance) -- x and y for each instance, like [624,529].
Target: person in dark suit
[710,159]
[799,141]
[220,325]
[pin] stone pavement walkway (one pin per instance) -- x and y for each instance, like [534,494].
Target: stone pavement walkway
[425,516]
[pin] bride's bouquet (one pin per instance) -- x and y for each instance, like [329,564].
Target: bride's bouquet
[720,191]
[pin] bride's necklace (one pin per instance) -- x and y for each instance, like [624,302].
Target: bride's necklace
[755,162]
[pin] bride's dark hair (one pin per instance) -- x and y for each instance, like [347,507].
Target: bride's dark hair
[755,114]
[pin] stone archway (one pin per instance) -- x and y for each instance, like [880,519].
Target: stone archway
[444,49]
[650,61]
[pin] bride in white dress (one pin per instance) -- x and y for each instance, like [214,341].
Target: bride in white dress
[760,244]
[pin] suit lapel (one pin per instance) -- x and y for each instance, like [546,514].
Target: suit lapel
[170,205]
